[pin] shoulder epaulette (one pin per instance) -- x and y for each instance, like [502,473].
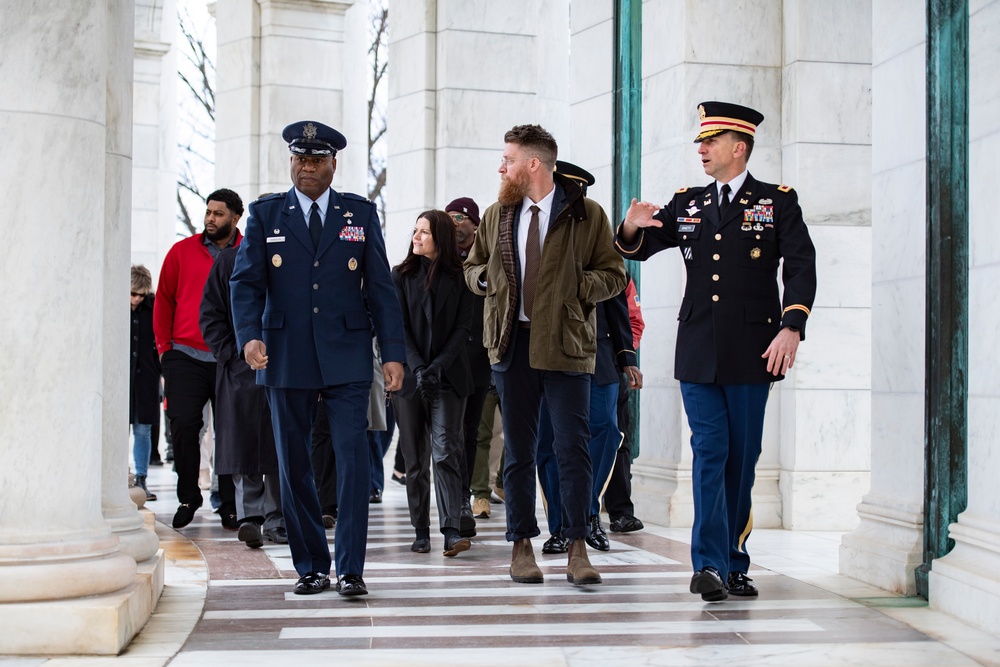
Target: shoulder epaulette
[681,190]
[268,196]
[351,195]
[784,188]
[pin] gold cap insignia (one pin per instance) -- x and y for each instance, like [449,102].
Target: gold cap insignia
[309,131]
[755,253]
[352,264]
[276,260]
[701,112]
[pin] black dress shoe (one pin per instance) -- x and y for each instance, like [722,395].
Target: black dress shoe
[467,522]
[401,480]
[708,583]
[352,584]
[184,515]
[740,584]
[456,545]
[597,538]
[557,544]
[376,497]
[230,522]
[421,545]
[250,533]
[278,535]
[312,583]
[626,524]
[329,517]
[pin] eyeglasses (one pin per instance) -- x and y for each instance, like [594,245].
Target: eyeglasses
[507,161]
[138,294]
[459,218]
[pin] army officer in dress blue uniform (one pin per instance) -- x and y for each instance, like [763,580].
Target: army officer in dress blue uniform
[310,282]
[735,334]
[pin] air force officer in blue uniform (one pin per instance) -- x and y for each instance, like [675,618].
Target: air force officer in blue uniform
[736,334]
[311,280]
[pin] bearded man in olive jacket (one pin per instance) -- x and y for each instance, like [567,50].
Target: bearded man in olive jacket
[543,258]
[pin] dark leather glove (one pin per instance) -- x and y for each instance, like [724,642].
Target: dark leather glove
[428,381]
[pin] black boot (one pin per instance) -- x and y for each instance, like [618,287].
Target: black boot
[140,481]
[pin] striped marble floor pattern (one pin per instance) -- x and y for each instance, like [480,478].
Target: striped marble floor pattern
[428,609]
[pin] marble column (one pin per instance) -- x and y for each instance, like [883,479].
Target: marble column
[966,582]
[887,545]
[118,509]
[65,585]
[826,157]
[463,73]
[280,61]
[154,134]
[693,62]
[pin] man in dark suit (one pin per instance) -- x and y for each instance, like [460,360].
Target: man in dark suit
[308,286]
[736,336]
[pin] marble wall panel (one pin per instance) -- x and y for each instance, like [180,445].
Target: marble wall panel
[506,62]
[282,63]
[146,94]
[657,347]
[897,84]
[514,17]
[897,27]
[838,350]
[239,62]
[899,214]
[239,24]
[898,445]
[585,14]
[412,119]
[984,456]
[760,19]
[984,63]
[463,172]
[898,347]
[831,430]
[828,32]
[145,139]
[237,113]
[821,500]
[664,46]
[663,433]
[281,105]
[663,279]
[833,181]
[413,65]
[813,114]
[411,18]
[984,331]
[984,233]
[496,112]
[593,136]
[843,267]
[308,20]
[591,71]
[666,121]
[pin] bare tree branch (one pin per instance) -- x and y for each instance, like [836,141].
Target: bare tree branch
[378,31]
[197,74]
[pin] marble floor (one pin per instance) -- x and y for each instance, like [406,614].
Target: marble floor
[226,604]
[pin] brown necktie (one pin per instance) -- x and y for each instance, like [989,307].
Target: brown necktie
[532,258]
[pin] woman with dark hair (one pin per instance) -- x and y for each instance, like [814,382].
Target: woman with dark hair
[437,316]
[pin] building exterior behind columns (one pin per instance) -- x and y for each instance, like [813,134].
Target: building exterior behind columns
[841,86]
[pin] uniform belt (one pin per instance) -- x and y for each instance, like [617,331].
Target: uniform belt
[523,324]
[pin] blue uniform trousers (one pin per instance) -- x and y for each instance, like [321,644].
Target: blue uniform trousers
[521,389]
[292,412]
[727,424]
[604,441]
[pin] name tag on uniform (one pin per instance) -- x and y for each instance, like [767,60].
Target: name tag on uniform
[275,239]
[352,233]
[686,228]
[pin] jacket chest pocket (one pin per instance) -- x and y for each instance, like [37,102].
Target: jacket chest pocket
[688,235]
[758,248]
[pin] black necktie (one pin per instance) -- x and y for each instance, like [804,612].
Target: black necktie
[315,225]
[724,202]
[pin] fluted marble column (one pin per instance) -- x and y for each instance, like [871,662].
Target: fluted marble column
[118,509]
[887,545]
[65,586]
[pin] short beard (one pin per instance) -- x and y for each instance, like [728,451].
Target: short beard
[220,233]
[512,192]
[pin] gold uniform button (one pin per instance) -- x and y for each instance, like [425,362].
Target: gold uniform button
[315,310]
[715,297]
[315,286]
[685,237]
[718,237]
[769,320]
[716,257]
[758,237]
[715,277]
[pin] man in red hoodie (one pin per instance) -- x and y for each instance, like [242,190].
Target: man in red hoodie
[188,366]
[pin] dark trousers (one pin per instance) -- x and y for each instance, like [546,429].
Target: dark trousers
[604,440]
[187,384]
[227,495]
[727,425]
[567,395]
[324,461]
[378,445]
[431,431]
[473,415]
[292,414]
[618,494]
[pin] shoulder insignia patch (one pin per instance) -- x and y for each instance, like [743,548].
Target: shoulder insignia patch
[681,190]
[784,188]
